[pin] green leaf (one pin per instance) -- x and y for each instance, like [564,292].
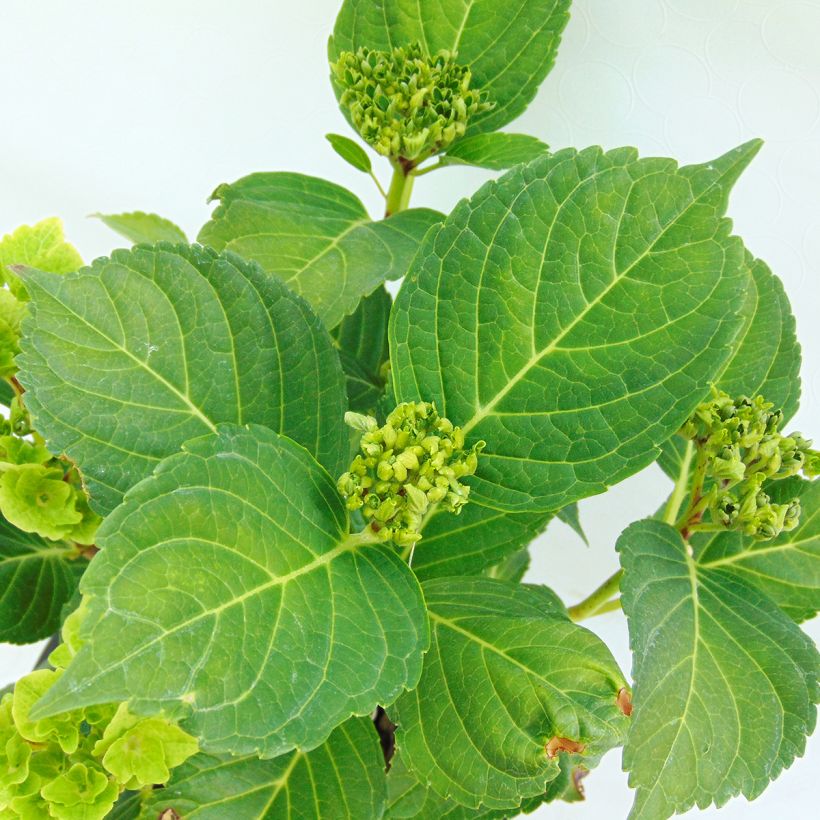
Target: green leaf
[131,357]
[242,540]
[496,151]
[513,568]
[766,358]
[572,518]
[138,227]
[342,778]
[506,674]
[725,683]
[787,568]
[41,246]
[6,393]
[572,315]
[36,580]
[510,47]
[351,152]
[474,540]
[363,350]
[315,236]
[81,792]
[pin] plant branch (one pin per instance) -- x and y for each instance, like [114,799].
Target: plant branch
[401,186]
[599,601]
[673,506]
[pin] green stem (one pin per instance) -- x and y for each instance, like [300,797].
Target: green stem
[598,601]
[378,184]
[401,186]
[670,514]
[420,172]
[609,606]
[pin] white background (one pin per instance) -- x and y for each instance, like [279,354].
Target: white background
[113,105]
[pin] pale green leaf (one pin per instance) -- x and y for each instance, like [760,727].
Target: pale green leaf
[495,150]
[351,152]
[131,357]
[473,541]
[315,236]
[363,350]
[41,246]
[572,314]
[725,683]
[507,672]
[36,580]
[242,540]
[786,568]
[343,779]
[138,227]
[509,46]
[766,359]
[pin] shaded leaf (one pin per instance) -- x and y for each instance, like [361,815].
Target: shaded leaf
[343,778]
[507,673]
[725,683]
[495,150]
[243,527]
[214,339]
[510,47]
[572,518]
[786,568]
[138,227]
[572,315]
[315,236]
[351,152]
[36,580]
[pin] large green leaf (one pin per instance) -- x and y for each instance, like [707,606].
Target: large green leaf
[507,672]
[476,539]
[509,46]
[227,589]
[316,236]
[363,350]
[496,151]
[725,683]
[766,359]
[343,779]
[138,226]
[572,315]
[36,580]
[129,358]
[787,568]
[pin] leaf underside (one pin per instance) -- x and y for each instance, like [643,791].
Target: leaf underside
[725,683]
[572,315]
[506,672]
[316,237]
[510,47]
[127,359]
[140,227]
[495,151]
[243,528]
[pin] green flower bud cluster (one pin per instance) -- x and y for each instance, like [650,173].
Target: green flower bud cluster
[407,105]
[740,450]
[411,463]
[75,765]
[38,492]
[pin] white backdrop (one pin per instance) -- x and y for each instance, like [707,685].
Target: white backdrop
[111,105]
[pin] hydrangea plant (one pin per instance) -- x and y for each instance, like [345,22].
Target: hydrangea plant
[282,519]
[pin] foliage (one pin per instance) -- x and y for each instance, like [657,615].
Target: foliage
[283,521]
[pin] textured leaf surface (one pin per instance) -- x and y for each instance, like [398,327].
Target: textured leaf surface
[233,556]
[138,227]
[725,683]
[36,580]
[350,151]
[510,47]
[495,150]
[476,539]
[316,236]
[343,779]
[766,359]
[571,315]
[363,350]
[507,671]
[131,357]
[787,568]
